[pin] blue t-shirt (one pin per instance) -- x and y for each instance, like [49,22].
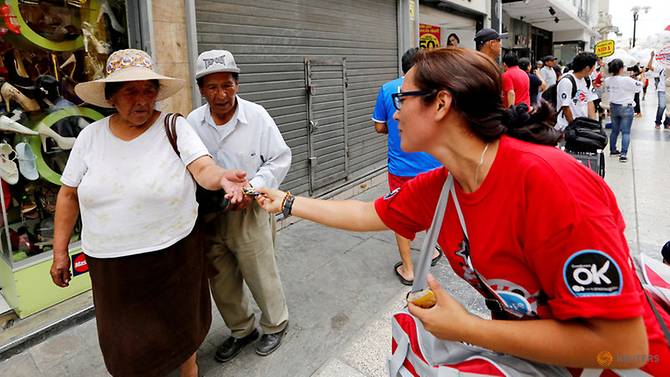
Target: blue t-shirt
[399,163]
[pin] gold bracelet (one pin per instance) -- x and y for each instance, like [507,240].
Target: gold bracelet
[283,202]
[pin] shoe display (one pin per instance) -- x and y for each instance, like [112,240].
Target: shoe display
[27,161]
[10,93]
[64,143]
[106,10]
[9,172]
[9,125]
[270,342]
[232,346]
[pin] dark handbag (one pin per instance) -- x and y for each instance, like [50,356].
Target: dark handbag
[208,201]
[585,135]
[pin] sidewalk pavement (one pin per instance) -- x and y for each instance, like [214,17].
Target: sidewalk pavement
[341,288]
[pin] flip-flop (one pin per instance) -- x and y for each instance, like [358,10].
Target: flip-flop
[400,277]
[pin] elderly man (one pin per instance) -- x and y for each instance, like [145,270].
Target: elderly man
[488,42]
[240,241]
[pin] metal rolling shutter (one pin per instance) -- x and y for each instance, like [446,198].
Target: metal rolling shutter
[272,41]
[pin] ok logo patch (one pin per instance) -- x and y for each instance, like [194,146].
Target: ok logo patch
[592,273]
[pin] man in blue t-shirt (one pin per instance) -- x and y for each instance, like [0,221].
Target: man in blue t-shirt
[402,166]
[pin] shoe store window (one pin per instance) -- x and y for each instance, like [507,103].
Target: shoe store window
[47,47]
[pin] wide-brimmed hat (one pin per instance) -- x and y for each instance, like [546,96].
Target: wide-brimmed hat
[127,65]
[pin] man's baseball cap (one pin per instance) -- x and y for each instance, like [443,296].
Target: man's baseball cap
[488,34]
[215,61]
[548,58]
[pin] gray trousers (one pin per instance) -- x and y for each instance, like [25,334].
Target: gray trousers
[240,246]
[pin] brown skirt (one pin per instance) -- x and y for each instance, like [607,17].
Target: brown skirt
[153,310]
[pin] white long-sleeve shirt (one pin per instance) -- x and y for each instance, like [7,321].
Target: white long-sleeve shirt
[250,141]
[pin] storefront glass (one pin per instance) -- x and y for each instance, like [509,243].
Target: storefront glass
[47,47]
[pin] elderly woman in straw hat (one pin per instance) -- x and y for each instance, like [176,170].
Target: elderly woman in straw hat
[136,197]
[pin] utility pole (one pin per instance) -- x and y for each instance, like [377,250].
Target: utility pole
[636,10]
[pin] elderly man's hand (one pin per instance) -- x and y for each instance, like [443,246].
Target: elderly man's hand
[232,182]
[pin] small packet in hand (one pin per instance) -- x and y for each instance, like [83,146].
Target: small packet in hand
[424,298]
[250,191]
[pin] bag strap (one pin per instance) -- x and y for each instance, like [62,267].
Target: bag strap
[170,125]
[422,267]
[639,270]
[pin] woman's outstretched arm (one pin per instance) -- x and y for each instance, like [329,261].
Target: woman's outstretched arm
[343,214]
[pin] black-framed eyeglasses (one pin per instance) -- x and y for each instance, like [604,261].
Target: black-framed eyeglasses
[400,96]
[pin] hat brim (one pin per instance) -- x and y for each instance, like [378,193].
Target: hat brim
[219,70]
[93,92]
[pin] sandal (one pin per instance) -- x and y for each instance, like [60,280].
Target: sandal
[400,277]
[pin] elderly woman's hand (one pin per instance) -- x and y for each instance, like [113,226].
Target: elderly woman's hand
[232,182]
[270,199]
[60,269]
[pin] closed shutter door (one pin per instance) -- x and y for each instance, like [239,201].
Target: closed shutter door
[273,41]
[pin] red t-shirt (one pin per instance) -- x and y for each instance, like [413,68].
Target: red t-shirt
[545,233]
[516,79]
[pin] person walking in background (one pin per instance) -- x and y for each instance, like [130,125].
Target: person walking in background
[659,72]
[621,90]
[515,82]
[240,242]
[453,40]
[635,75]
[487,41]
[402,166]
[547,72]
[574,92]
[535,84]
[135,192]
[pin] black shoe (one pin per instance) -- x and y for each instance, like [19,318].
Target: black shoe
[614,153]
[270,342]
[623,159]
[232,346]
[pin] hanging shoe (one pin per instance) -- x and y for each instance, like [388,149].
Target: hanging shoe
[64,143]
[101,47]
[105,9]
[10,93]
[27,161]
[9,125]
[10,19]
[8,169]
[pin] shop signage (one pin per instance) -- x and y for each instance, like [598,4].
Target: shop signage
[429,36]
[604,48]
[79,265]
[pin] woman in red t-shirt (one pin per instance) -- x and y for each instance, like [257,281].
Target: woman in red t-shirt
[543,232]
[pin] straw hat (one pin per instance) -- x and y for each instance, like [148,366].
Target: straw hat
[126,65]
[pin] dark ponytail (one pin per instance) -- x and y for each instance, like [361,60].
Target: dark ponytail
[474,82]
[534,127]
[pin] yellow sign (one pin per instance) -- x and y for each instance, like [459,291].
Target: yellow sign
[604,48]
[412,10]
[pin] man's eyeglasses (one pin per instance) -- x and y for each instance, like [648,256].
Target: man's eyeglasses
[400,96]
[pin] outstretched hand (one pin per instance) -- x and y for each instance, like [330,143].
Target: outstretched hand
[270,199]
[447,319]
[232,182]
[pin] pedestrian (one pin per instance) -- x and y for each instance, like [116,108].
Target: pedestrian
[515,82]
[547,72]
[559,268]
[536,85]
[574,92]
[488,42]
[635,73]
[240,242]
[659,72]
[136,197]
[538,66]
[621,89]
[402,166]
[665,253]
[453,40]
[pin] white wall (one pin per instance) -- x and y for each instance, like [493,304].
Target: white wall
[571,35]
[476,5]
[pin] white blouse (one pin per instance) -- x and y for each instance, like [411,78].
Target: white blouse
[134,196]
